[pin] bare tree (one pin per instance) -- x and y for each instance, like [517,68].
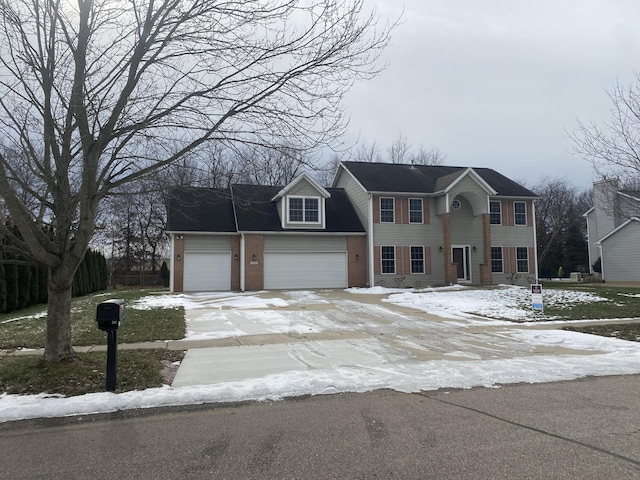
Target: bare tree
[613,148]
[261,165]
[367,153]
[428,157]
[95,94]
[559,223]
[400,150]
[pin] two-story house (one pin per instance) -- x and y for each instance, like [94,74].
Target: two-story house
[433,225]
[380,224]
[613,231]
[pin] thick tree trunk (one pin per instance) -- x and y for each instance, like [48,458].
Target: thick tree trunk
[58,346]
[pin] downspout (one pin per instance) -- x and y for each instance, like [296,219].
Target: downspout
[171,263]
[242,262]
[602,276]
[370,240]
[535,238]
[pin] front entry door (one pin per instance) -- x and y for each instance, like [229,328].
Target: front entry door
[461,258]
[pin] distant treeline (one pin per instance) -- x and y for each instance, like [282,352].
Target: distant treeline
[23,284]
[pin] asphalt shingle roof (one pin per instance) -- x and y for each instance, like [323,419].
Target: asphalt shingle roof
[200,209]
[212,210]
[427,179]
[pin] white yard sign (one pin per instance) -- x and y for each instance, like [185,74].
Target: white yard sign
[536,296]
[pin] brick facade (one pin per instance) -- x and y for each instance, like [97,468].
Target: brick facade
[178,263]
[357,261]
[485,268]
[254,269]
[235,263]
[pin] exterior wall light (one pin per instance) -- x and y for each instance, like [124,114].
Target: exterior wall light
[253,257]
[357,257]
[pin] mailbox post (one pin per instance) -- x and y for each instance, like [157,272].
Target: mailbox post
[110,315]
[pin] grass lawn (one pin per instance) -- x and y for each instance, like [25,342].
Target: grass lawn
[137,369]
[621,302]
[26,328]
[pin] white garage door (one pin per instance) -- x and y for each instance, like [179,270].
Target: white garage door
[207,271]
[305,270]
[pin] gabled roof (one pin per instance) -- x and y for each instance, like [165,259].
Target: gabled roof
[249,208]
[427,179]
[200,209]
[631,194]
[613,232]
[304,176]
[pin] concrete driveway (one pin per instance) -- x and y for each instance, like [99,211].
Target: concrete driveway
[329,341]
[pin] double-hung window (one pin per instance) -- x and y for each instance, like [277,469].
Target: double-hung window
[388,259]
[304,210]
[520,213]
[415,210]
[496,260]
[417,260]
[522,259]
[387,209]
[495,212]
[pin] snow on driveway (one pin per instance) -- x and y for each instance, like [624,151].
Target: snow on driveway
[404,340]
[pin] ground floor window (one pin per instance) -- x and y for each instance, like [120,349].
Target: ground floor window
[417,260]
[522,259]
[388,258]
[496,260]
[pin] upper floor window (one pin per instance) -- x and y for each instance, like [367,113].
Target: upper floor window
[415,210]
[520,213]
[495,212]
[387,208]
[304,210]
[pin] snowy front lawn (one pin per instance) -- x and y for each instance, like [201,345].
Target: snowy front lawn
[376,342]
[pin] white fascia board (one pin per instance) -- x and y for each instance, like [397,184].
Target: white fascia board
[622,194]
[303,176]
[319,232]
[343,167]
[476,177]
[200,232]
[586,214]
[613,232]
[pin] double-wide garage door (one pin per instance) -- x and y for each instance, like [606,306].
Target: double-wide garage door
[305,270]
[207,271]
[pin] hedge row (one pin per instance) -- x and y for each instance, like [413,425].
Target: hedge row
[22,285]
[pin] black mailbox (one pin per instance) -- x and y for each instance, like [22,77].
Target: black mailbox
[110,314]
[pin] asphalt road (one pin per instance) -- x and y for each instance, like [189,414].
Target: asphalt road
[584,429]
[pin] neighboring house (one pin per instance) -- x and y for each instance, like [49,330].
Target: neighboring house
[380,224]
[434,225]
[613,230]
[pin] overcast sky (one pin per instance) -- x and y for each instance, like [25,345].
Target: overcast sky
[497,83]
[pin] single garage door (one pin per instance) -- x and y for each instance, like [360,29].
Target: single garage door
[305,270]
[207,271]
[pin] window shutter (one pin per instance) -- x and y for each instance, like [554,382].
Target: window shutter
[377,261]
[427,260]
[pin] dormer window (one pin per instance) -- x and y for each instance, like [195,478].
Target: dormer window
[304,210]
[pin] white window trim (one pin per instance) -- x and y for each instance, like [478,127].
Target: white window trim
[393,200]
[424,266]
[304,198]
[522,259]
[525,214]
[395,258]
[501,260]
[421,210]
[500,205]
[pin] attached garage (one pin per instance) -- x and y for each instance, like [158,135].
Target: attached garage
[305,262]
[207,263]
